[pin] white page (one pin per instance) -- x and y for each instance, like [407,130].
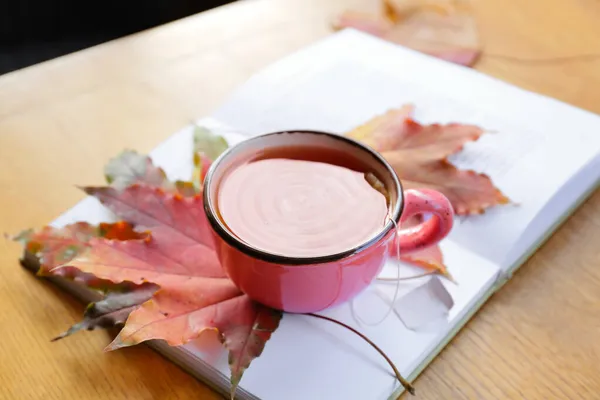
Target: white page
[344,80]
[570,194]
[312,359]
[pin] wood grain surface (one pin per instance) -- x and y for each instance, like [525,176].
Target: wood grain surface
[60,121]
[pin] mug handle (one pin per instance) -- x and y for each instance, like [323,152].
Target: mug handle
[430,232]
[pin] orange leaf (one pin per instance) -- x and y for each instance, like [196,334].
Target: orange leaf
[418,154]
[56,246]
[380,132]
[430,258]
[445,30]
[194,295]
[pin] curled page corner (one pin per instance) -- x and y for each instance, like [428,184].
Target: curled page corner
[426,307]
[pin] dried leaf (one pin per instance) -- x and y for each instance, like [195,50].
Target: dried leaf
[468,191]
[186,188]
[111,311]
[446,30]
[179,313]
[180,220]
[380,132]
[246,339]
[178,256]
[430,258]
[207,147]
[148,260]
[418,154]
[201,165]
[57,246]
[449,36]
[208,143]
[130,167]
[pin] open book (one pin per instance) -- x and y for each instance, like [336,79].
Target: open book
[543,154]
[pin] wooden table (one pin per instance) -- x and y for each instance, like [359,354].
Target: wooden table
[60,121]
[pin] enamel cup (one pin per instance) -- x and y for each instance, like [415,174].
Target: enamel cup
[310,284]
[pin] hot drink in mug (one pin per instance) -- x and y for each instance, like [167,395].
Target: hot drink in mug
[298,226]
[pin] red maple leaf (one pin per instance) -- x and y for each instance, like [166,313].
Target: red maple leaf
[418,153]
[194,294]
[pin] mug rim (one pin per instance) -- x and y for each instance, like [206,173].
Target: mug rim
[231,239]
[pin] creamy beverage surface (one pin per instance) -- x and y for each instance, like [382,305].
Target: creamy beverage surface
[300,208]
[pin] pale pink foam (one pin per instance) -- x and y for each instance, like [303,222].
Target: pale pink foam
[300,208]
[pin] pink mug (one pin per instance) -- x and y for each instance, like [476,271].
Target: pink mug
[310,284]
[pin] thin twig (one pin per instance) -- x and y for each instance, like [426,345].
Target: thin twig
[409,388]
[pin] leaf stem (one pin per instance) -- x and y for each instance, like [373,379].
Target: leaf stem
[407,386]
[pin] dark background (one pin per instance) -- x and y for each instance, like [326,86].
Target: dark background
[32,31]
